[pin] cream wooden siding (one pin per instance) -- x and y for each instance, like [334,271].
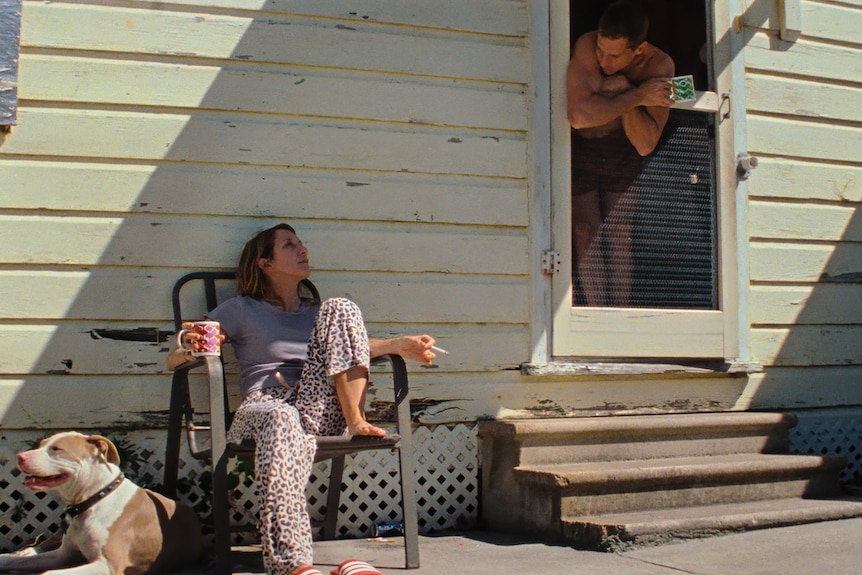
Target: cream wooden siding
[805,125]
[10,29]
[155,138]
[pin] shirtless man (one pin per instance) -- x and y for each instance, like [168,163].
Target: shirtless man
[618,89]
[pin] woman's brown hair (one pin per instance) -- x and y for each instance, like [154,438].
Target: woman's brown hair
[250,279]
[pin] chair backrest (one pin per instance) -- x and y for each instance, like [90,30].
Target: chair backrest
[202,292]
[210,292]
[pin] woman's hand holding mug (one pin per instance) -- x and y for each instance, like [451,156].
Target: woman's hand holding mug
[200,338]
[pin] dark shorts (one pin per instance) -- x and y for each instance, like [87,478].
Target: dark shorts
[608,164]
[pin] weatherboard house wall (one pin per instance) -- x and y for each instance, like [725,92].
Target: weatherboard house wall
[399,139]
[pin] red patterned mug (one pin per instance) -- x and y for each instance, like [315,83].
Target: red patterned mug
[208,341]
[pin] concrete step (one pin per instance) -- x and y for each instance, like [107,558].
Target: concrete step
[549,441]
[608,487]
[618,532]
[680,475]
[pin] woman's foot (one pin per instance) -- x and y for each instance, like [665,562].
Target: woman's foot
[362,427]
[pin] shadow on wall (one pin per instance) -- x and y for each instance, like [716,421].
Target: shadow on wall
[806,306]
[804,223]
[128,171]
[172,162]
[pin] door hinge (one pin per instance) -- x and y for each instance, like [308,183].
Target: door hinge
[551,262]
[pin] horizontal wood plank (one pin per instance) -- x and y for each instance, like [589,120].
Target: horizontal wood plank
[275,39]
[433,298]
[801,388]
[776,220]
[41,402]
[798,180]
[819,19]
[143,295]
[451,397]
[804,98]
[644,333]
[832,304]
[785,137]
[505,17]
[802,58]
[808,263]
[105,348]
[246,88]
[112,402]
[215,242]
[200,189]
[203,137]
[808,345]
[98,293]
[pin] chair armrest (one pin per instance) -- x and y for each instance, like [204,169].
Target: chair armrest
[189,365]
[217,400]
[402,396]
[399,373]
[218,407]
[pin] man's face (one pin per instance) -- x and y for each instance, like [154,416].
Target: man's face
[615,54]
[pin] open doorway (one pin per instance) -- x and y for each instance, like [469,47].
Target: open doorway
[678,27]
[684,301]
[656,245]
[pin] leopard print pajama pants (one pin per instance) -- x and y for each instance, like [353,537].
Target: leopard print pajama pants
[284,423]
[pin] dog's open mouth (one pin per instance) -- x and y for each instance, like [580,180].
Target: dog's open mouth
[44,483]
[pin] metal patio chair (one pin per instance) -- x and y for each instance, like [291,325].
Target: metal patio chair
[219,451]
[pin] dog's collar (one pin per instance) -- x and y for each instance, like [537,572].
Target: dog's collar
[75,510]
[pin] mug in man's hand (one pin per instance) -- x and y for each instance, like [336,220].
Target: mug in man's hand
[682,88]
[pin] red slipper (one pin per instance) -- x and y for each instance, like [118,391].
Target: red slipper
[355,567]
[306,570]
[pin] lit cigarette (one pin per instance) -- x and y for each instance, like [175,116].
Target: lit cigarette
[439,350]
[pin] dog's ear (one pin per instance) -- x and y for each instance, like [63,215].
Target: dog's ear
[106,448]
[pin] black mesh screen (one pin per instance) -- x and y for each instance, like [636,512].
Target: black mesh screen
[671,207]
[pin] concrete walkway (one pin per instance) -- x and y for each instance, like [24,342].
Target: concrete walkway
[833,548]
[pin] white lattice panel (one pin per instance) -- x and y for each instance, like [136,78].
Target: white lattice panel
[25,514]
[446,476]
[445,458]
[834,431]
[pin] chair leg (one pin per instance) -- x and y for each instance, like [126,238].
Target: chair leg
[221,516]
[409,505]
[172,449]
[221,509]
[333,497]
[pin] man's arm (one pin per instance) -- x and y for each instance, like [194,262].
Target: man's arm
[588,106]
[644,124]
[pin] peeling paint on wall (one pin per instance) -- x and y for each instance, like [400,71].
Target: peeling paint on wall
[142,334]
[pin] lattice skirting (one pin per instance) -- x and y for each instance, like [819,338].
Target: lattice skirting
[831,431]
[446,459]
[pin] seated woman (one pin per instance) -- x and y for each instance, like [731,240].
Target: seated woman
[304,371]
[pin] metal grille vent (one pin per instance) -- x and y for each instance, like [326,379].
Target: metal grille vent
[671,205]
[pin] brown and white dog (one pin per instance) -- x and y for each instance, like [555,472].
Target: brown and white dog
[116,527]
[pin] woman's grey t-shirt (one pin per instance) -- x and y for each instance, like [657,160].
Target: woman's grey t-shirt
[266,340]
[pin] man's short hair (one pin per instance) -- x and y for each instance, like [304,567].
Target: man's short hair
[625,19]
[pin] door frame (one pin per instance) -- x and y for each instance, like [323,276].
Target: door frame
[550,181]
